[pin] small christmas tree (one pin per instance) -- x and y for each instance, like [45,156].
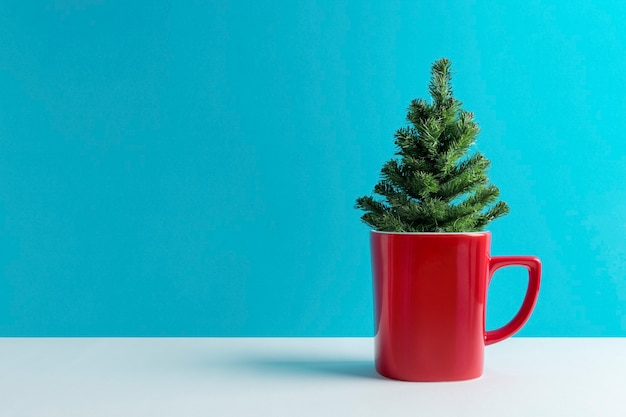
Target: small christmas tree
[435,185]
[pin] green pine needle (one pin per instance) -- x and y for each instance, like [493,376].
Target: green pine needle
[434,185]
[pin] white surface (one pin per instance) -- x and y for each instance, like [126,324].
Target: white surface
[299,377]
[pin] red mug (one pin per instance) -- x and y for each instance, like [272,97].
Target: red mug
[430,291]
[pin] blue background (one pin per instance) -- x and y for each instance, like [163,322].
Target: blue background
[190,168]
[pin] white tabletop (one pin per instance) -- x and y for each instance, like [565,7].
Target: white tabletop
[299,377]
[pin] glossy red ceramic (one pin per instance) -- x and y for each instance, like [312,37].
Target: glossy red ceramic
[430,291]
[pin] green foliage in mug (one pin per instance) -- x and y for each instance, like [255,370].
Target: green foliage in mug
[436,184]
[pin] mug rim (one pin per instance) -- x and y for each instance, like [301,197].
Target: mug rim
[481,233]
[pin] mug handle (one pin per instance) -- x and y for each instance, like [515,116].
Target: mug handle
[533,265]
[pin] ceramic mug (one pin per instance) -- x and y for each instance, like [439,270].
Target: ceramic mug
[430,291]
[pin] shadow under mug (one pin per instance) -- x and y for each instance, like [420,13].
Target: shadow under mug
[430,291]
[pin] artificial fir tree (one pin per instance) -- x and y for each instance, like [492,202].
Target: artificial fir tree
[435,185]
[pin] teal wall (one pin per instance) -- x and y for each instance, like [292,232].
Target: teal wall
[190,168]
